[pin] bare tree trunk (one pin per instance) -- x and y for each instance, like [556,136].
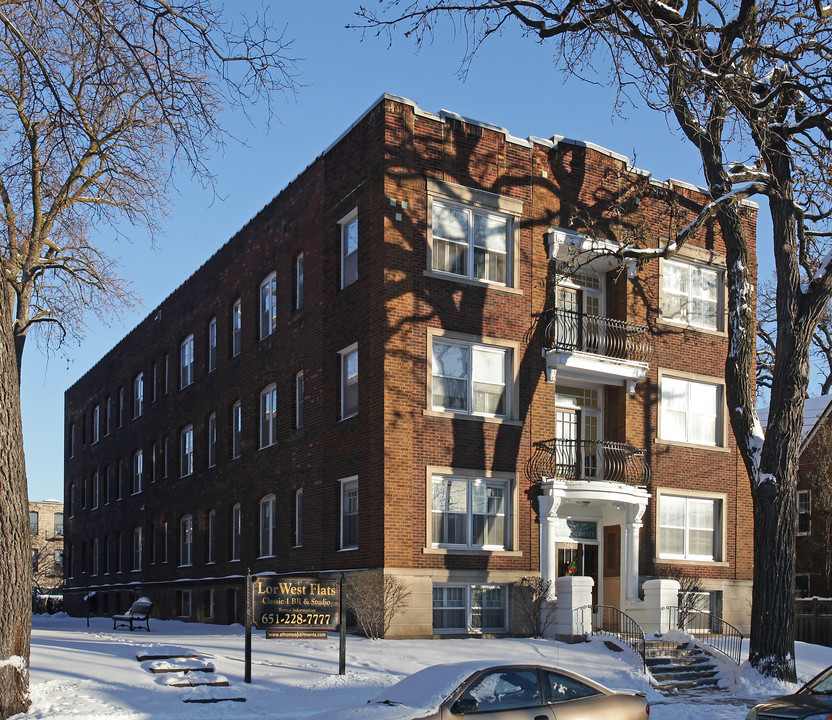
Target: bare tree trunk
[15,545]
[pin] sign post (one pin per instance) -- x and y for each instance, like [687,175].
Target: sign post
[342,633]
[248,625]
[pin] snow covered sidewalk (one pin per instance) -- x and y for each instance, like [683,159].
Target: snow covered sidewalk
[81,673]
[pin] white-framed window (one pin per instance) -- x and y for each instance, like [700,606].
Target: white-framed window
[299,400]
[212,536]
[137,548]
[691,411]
[96,489]
[691,293]
[186,540]
[349,248]
[212,344]
[138,471]
[471,242]
[804,512]
[469,608]
[349,381]
[212,439]
[186,362]
[299,517]
[349,513]
[96,423]
[690,527]
[237,327]
[470,378]
[236,429]
[298,300]
[138,395]
[236,531]
[267,526]
[186,466]
[268,416]
[470,512]
[268,306]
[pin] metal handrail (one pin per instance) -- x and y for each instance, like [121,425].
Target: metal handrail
[599,460]
[575,331]
[609,620]
[708,628]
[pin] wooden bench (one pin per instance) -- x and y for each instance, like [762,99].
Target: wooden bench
[138,613]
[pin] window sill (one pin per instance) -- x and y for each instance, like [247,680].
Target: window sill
[347,549]
[693,446]
[471,281]
[266,557]
[684,326]
[474,418]
[478,552]
[673,561]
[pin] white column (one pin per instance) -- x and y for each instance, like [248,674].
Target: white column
[659,595]
[630,546]
[548,503]
[574,591]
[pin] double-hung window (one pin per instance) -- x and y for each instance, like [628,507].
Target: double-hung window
[267,526]
[349,248]
[212,439]
[349,513]
[268,416]
[186,362]
[96,423]
[691,293]
[138,470]
[186,540]
[804,512]
[96,489]
[138,394]
[137,548]
[236,429]
[212,536]
[268,306]
[299,400]
[470,242]
[691,411]
[298,299]
[469,608]
[236,531]
[689,527]
[470,378]
[470,513]
[349,381]
[237,327]
[212,345]
[187,451]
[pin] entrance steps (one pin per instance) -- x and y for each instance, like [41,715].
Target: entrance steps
[184,668]
[675,666]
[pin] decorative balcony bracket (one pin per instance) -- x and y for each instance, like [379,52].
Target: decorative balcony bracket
[580,251]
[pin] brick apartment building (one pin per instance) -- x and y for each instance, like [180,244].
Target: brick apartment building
[421,357]
[46,528]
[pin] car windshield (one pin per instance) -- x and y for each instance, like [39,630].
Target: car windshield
[821,684]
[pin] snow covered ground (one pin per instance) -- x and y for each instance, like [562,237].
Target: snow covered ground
[93,674]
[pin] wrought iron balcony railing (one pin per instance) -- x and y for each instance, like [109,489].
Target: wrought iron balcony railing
[597,460]
[574,331]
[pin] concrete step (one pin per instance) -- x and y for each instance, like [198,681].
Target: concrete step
[684,676]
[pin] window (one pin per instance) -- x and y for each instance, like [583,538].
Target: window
[165,455]
[690,293]
[154,452]
[154,390]
[502,691]
[470,243]
[804,512]
[108,402]
[59,561]
[59,524]
[299,518]
[138,395]
[137,548]
[186,362]
[107,477]
[690,411]
[237,327]
[35,559]
[120,406]
[299,400]
[349,248]
[95,489]
[268,306]
[470,512]
[71,499]
[95,555]
[186,466]
[268,416]
[349,513]
[33,523]
[212,536]
[138,470]
[96,423]
[236,429]
[121,472]
[212,439]
[469,608]
[186,540]
[236,531]
[164,542]
[470,378]
[298,299]
[349,381]
[165,373]
[267,526]
[184,603]
[212,345]
[151,533]
[689,527]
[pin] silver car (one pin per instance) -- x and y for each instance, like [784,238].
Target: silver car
[496,692]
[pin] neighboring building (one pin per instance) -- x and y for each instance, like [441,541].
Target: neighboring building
[504,420]
[46,526]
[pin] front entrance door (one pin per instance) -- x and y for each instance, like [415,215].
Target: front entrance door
[579,558]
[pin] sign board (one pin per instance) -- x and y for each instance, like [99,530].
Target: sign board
[295,604]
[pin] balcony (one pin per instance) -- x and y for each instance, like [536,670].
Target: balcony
[587,347]
[590,460]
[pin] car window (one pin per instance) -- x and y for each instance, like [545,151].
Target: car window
[823,685]
[562,687]
[504,689]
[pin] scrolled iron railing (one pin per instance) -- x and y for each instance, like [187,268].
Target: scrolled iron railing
[598,460]
[575,331]
[709,629]
[609,620]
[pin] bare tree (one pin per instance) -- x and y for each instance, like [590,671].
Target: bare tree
[749,85]
[375,598]
[535,614]
[101,102]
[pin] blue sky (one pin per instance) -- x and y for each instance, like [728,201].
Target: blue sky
[512,83]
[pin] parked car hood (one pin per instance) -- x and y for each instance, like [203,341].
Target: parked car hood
[796,706]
